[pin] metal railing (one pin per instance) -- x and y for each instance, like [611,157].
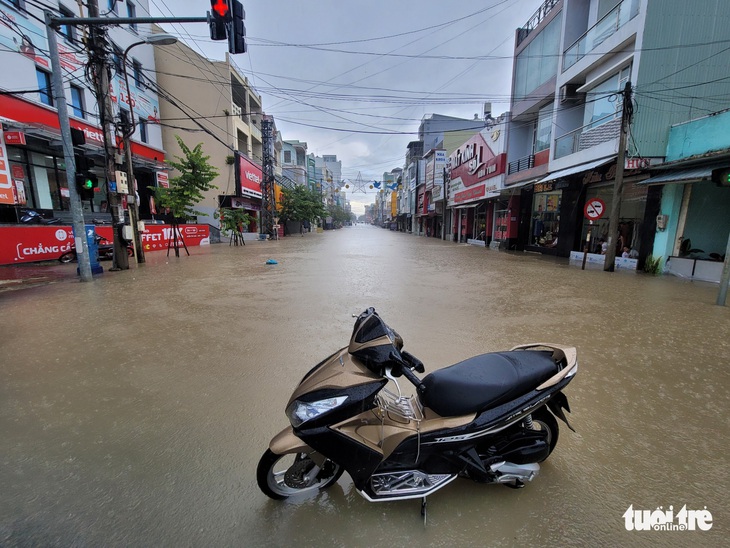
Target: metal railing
[528,162]
[537,18]
[602,30]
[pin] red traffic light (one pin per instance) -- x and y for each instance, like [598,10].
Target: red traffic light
[221,8]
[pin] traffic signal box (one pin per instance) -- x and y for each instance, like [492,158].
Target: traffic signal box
[226,22]
[721,176]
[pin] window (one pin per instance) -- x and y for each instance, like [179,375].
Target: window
[543,128]
[44,84]
[538,62]
[77,102]
[603,102]
[67,31]
[112,5]
[137,73]
[143,131]
[132,12]
[287,156]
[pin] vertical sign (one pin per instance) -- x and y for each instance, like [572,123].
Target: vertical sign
[162,179]
[7,195]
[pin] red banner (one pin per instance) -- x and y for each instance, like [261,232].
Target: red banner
[26,244]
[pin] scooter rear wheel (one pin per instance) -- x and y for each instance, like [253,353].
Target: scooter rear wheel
[282,476]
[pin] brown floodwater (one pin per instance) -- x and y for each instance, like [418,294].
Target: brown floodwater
[133,410]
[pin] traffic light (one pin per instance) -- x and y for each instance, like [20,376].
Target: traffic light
[86,181]
[219,15]
[721,176]
[236,30]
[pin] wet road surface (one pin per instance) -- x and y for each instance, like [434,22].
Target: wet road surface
[133,410]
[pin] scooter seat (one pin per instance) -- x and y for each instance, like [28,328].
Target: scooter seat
[485,381]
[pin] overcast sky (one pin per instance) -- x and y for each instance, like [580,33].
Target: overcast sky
[354,78]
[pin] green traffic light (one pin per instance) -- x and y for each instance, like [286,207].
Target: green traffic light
[88,184]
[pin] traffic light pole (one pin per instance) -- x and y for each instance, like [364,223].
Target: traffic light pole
[59,99]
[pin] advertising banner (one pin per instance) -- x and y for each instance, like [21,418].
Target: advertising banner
[26,244]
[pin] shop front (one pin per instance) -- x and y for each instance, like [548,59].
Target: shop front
[34,164]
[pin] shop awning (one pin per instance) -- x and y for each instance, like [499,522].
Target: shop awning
[575,169]
[680,176]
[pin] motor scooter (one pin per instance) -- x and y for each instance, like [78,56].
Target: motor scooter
[105,250]
[31,217]
[490,418]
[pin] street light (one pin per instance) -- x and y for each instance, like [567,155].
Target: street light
[159,40]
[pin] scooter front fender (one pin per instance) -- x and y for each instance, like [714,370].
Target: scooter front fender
[286,442]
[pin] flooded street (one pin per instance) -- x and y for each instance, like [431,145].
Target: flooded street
[134,410]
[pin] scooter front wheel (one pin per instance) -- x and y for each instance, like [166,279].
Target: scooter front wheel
[282,476]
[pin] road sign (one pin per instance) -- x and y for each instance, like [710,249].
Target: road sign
[595,208]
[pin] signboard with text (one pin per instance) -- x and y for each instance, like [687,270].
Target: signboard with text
[250,177]
[25,244]
[476,172]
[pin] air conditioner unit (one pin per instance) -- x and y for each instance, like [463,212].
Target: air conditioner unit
[568,93]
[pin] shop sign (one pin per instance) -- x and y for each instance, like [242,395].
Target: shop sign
[162,179]
[14,138]
[20,192]
[7,195]
[18,171]
[250,177]
[545,187]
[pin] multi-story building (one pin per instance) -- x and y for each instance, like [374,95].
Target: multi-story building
[294,161]
[572,61]
[210,102]
[33,172]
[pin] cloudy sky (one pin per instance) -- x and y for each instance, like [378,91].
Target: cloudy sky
[354,78]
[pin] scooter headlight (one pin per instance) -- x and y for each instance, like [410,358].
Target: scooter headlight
[300,412]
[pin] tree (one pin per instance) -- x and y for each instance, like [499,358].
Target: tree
[339,215]
[300,204]
[186,189]
[232,221]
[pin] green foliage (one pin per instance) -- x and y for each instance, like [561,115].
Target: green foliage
[338,214]
[653,265]
[233,219]
[300,204]
[187,189]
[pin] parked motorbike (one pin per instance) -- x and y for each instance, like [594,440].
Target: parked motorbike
[105,250]
[490,418]
[31,217]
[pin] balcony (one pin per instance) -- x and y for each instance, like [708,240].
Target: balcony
[588,136]
[600,32]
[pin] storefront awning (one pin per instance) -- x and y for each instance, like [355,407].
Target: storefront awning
[680,176]
[575,169]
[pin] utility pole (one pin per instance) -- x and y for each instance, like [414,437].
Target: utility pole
[97,54]
[59,99]
[618,185]
[268,205]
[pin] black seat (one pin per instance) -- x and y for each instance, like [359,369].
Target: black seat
[485,381]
